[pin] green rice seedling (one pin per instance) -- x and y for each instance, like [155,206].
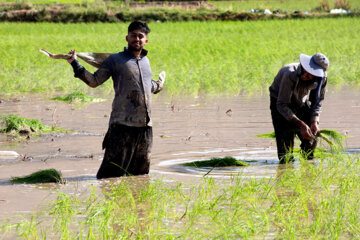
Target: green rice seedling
[13,124]
[77,96]
[42,176]
[244,58]
[305,201]
[216,162]
[331,137]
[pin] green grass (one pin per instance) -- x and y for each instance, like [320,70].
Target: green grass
[77,96]
[13,124]
[43,176]
[243,57]
[309,201]
[216,162]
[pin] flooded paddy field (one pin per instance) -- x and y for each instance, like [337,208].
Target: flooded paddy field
[185,129]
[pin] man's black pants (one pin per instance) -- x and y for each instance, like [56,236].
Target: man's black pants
[285,132]
[127,151]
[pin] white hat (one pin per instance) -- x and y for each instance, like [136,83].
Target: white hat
[315,65]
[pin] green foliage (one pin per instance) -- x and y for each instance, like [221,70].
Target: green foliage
[216,162]
[42,176]
[267,135]
[13,122]
[244,57]
[77,96]
[332,137]
[304,201]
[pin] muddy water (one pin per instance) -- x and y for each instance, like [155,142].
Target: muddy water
[184,130]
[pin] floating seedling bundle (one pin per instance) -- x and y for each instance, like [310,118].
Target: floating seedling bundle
[43,176]
[77,96]
[333,138]
[217,162]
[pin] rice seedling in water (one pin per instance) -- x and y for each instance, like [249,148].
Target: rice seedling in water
[216,162]
[42,176]
[306,201]
[78,96]
[332,137]
[244,57]
[15,124]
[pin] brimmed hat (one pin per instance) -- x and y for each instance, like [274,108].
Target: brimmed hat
[315,65]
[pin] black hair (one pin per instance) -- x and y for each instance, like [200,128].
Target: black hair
[139,25]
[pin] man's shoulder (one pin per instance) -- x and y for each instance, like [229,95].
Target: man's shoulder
[291,67]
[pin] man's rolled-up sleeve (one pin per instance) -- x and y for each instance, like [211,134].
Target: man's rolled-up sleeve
[96,79]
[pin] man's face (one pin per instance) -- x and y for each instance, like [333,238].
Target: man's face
[305,76]
[136,40]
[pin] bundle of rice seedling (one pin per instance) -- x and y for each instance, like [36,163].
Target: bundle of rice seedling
[77,96]
[42,176]
[331,137]
[217,162]
[13,122]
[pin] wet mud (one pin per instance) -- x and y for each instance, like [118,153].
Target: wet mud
[185,129]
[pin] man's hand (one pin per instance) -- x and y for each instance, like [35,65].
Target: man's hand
[315,127]
[73,56]
[306,133]
[305,130]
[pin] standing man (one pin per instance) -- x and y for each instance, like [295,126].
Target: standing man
[128,140]
[296,97]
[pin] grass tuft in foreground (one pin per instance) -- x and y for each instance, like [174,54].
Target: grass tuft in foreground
[43,176]
[302,201]
[13,124]
[217,162]
[78,96]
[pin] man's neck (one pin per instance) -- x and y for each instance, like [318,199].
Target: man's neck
[136,53]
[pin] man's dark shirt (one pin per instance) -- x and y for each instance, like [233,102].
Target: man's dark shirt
[291,92]
[133,85]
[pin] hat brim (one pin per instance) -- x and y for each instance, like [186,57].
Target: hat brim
[308,63]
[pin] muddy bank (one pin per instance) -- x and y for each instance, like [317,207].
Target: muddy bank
[185,130]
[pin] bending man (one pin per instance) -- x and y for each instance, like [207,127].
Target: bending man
[128,140]
[296,97]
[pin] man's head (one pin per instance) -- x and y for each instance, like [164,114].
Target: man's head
[137,35]
[313,66]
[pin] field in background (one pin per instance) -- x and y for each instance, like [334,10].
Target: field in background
[286,6]
[198,57]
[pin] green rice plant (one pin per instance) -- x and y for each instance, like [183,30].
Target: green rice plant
[77,96]
[331,137]
[15,124]
[306,201]
[42,176]
[243,58]
[216,162]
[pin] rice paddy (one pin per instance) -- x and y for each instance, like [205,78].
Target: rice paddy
[298,203]
[243,58]
[304,200]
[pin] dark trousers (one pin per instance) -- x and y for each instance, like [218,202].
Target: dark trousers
[127,151]
[285,133]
